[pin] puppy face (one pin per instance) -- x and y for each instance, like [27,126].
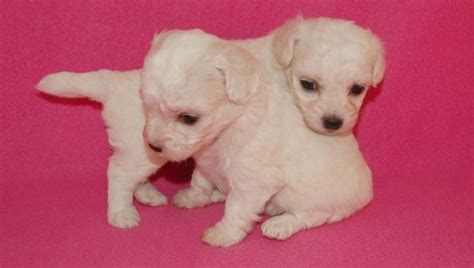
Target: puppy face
[193,86]
[329,64]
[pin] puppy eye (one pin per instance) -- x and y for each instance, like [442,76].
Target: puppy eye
[356,90]
[187,119]
[309,86]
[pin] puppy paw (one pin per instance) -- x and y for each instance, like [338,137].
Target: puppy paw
[281,227]
[148,195]
[217,196]
[124,218]
[221,236]
[191,198]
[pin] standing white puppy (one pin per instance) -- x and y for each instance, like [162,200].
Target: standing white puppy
[211,100]
[123,114]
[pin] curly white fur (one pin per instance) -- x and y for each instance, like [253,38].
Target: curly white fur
[125,106]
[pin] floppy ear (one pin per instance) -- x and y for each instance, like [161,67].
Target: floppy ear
[241,73]
[379,61]
[285,40]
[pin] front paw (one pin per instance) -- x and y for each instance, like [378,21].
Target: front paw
[223,236]
[124,218]
[148,195]
[191,198]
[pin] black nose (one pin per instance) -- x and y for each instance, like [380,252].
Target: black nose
[155,148]
[332,122]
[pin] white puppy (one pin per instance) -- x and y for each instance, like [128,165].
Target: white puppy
[131,163]
[208,99]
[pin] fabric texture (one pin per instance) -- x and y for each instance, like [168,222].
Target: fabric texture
[416,132]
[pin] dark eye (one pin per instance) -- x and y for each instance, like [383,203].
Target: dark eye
[356,90]
[187,119]
[309,85]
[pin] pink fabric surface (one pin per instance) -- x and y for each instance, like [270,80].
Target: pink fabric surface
[416,132]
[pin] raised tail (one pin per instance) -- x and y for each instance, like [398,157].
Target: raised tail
[95,85]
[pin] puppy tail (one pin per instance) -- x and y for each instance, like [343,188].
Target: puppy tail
[95,85]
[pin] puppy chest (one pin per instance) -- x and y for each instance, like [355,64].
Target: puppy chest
[214,169]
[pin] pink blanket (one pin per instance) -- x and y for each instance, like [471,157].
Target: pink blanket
[416,132]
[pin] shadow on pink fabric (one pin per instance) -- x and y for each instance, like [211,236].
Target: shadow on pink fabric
[416,132]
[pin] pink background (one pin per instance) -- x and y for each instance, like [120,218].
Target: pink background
[416,132]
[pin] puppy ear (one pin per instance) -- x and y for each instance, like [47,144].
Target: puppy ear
[378,68]
[285,40]
[241,73]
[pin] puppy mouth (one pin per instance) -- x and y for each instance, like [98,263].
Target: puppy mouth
[177,155]
[337,132]
[326,132]
[320,129]
[174,157]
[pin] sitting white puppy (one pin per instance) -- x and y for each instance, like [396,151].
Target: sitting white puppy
[211,100]
[329,64]
[131,163]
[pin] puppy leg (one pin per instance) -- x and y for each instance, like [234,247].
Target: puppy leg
[131,163]
[201,193]
[283,226]
[242,210]
[147,194]
[125,172]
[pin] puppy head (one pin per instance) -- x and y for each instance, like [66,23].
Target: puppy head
[193,85]
[329,64]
